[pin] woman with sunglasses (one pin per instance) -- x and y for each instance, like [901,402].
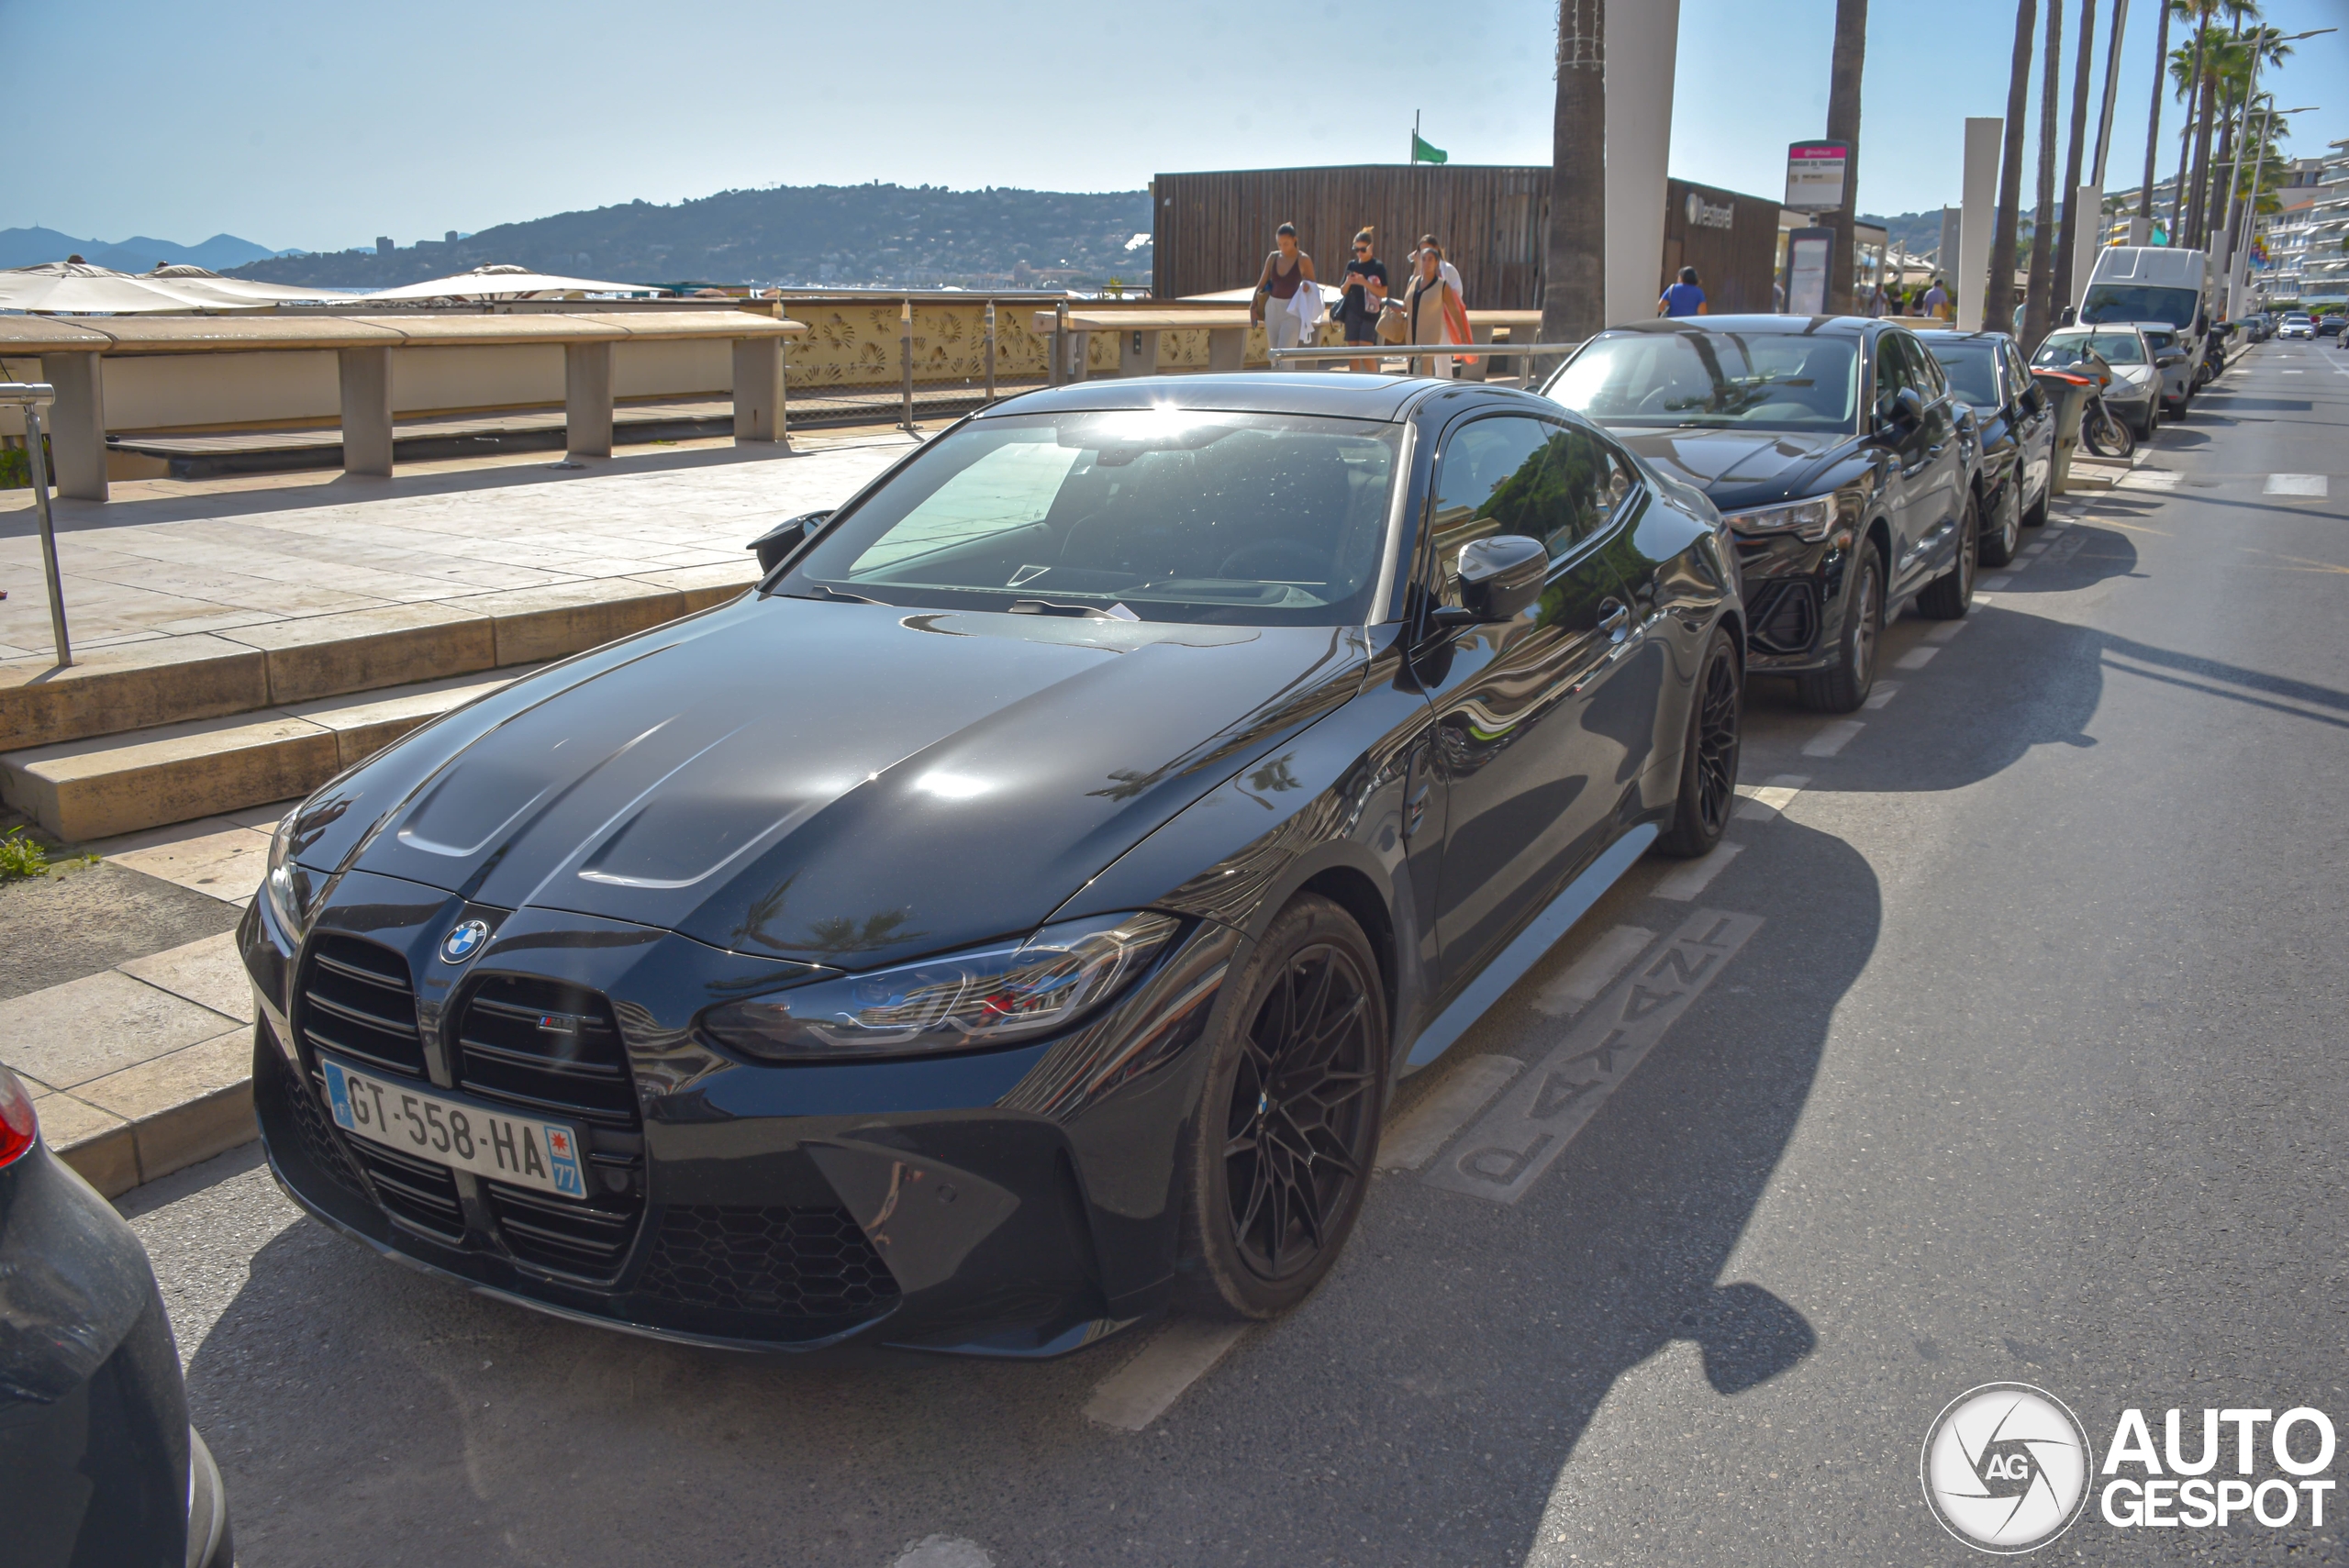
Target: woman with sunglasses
[1365,286]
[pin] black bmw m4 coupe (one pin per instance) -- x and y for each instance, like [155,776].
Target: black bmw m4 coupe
[1011,918]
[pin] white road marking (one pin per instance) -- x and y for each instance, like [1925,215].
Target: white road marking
[2150,478]
[1763,802]
[1139,1391]
[1833,738]
[1592,973]
[1884,691]
[2293,373]
[1426,1126]
[1995,584]
[1695,876]
[945,1551]
[1915,658]
[2031,551]
[1946,630]
[2309,484]
[1511,1144]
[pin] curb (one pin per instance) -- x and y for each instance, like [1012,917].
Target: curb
[133,1153]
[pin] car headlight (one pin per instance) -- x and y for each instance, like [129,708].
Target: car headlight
[1811,520]
[988,996]
[288,885]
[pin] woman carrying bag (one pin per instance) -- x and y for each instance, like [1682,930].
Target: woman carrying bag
[1434,314]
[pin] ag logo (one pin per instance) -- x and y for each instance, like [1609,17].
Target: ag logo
[2005,1467]
[464,940]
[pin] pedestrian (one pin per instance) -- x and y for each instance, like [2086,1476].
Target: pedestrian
[1434,310]
[1682,298]
[1937,301]
[1365,286]
[1451,273]
[1287,272]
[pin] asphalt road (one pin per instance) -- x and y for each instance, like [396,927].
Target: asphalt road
[2031,1070]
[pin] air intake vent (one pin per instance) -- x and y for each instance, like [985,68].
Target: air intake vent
[812,1265]
[563,1235]
[423,1195]
[356,1001]
[1785,618]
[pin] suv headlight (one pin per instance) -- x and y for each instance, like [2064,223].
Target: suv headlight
[288,885]
[995,995]
[1812,519]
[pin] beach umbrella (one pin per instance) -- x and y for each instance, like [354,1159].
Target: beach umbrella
[505,280]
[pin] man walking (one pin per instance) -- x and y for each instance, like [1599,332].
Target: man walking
[1937,301]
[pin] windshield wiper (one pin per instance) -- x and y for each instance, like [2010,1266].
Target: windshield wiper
[838,595]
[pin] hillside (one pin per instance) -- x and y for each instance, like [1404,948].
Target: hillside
[876,234]
[32,247]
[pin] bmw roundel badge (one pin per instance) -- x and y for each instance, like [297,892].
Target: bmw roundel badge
[464,940]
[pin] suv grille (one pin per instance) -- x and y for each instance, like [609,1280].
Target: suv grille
[356,1001]
[553,1050]
[808,1264]
[422,1193]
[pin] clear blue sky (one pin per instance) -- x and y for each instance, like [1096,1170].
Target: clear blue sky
[323,126]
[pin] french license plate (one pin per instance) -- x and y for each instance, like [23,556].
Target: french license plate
[522,1150]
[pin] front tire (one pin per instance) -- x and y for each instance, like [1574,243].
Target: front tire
[2000,545]
[1708,756]
[1845,686]
[1950,595]
[1278,1158]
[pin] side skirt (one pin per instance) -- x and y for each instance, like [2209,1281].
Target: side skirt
[1536,940]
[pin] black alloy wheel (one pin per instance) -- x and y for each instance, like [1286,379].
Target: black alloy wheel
[1708,762]
[1950,595]
[1845,685]
[1288,1125]
[2000,545]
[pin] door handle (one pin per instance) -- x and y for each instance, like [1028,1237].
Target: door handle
[1613,618]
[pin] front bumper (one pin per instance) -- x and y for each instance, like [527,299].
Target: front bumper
[1019,1202]
[1795,598]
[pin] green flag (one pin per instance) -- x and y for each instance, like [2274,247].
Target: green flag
[1423,153]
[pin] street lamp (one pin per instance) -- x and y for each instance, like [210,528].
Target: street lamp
[2239,241]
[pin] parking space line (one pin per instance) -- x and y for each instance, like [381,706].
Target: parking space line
[1139,1391]
[1592,973]
[1884,691]
[2311,485]
[1915,658]
[1527,1127]
[1426,1126]
[1833,738]
[1764,802]
[1695,876]
[2000,581]
[1946,630]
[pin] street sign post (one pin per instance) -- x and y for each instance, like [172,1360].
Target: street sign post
[1807,252]
[1815,175]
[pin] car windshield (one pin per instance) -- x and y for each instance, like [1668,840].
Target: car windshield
[1159,514]
[2299,320]
[2113,348]
[2138,302]
[1773,380]
[1973,370]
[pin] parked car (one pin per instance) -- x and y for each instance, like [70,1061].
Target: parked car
[98,1461]
[2175,365]
[2133,391]
[1836,451]
[2329,325]
[2171,284]
[2296,325]
[1013,914]
[2016,433]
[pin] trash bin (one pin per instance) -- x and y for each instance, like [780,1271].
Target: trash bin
[2070,394]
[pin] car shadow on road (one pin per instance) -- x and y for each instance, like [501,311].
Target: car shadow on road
[367,1414]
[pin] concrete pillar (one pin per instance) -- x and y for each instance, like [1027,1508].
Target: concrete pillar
[588,399]
[1977,217]
[2087,239]
[1080,357]
[758,390]
[1642,49]
[1137,353]
[366,375]
[1227,349]
[77,424]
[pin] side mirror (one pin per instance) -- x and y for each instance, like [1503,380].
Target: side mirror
[1501,576]
[2168,360]
[777,543]
[1905,412]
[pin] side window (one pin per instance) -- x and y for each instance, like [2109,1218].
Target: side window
[1936,380]
[1512,475]
[1893,372]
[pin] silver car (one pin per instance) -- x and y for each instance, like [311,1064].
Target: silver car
[2177,365]
[2296,325]
[2131,392]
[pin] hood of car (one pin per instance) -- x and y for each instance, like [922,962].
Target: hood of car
[1744,468]
[833,783]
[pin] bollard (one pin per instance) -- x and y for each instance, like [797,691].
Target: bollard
[989,398]
[906,353]
[31,395]
[2070,394]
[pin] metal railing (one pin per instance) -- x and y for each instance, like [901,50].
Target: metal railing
[1420,351]
[32,398]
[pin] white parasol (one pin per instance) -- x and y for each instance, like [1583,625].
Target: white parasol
[505,281]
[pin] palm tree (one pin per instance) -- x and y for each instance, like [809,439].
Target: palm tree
[2153,123]
[1999,296]
[2067,236]
[2035,312]
[1843,126]
[1574,283]
[2196,12]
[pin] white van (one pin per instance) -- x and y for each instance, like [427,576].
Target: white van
[2155,282]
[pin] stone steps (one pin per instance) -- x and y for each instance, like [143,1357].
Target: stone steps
[136,737]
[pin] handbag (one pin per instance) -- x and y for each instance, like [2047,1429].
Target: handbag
[1394,327]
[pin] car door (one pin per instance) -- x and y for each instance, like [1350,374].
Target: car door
[1922,452]
[1529,788]
[1945,451]
[2034,418]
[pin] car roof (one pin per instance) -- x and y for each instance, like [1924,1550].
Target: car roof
[1333,395]
[1813,326]
[1950,337]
